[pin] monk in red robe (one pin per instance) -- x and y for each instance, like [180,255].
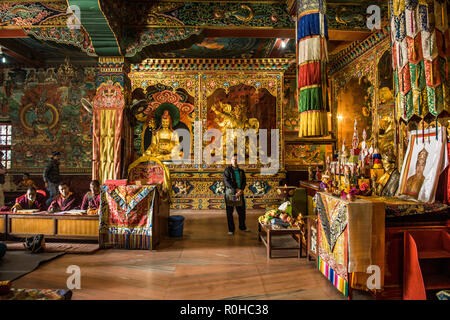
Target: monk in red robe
[64,201]
[30,200]
[91,200]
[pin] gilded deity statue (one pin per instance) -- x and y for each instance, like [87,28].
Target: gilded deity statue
[414,183]
[234,118]
[163,140]
[387,136]
[387,184]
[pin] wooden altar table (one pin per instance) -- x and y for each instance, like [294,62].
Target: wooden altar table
[132,216]
[394,218]
[266,233]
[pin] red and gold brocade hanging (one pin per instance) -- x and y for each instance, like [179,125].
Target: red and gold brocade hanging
[420,54]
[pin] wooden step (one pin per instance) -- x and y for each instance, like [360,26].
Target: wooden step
[434,254]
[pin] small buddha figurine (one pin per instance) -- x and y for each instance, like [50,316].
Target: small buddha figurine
[347,175]
[388,162]
[310,174]
[373,182]
[163,140]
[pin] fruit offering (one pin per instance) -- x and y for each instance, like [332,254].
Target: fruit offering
[281,217]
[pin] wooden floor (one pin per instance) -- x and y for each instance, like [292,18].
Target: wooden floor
[206,264]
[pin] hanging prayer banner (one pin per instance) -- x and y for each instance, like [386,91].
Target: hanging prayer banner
[312,58]
[420,53]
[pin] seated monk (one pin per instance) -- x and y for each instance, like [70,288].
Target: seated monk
[26,182]
[91,200]
[64,201]
[30,200]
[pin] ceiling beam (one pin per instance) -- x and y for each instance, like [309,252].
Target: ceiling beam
[341,35]
[13,33]
[21,52]
[249,33]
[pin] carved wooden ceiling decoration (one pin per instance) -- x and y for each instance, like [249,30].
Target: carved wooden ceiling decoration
[139,29]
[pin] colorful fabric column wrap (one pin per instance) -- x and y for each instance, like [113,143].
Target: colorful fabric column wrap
[312,35]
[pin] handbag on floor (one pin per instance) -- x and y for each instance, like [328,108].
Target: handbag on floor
[35,244]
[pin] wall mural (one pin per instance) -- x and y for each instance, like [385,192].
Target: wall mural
[47,115]
[305,155]
[290,109]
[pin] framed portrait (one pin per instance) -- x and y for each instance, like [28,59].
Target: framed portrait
[425,159]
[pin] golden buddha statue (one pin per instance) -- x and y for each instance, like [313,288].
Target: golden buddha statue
[388,160]
[387,127]
[414,182]
[163,140]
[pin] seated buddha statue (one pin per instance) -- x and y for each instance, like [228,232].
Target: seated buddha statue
[163,140]
[387,133]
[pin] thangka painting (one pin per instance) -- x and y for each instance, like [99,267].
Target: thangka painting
[425,159]
[354,102]
[305,155]
[47,115]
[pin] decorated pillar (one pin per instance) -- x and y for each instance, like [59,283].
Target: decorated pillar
[108,117]
[420,53]
[312,57]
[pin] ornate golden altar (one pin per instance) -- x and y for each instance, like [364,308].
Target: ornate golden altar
[201,94]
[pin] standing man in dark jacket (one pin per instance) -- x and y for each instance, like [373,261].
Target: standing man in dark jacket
[235,182]
[51,176]
[2,181]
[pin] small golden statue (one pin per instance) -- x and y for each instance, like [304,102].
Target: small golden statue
[388,160]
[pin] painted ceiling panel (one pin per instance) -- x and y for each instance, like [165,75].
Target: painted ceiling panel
[226,48]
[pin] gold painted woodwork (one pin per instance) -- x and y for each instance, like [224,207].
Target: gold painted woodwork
[32,225]
[78,227]
[2,224]
[107,129]
[198,80]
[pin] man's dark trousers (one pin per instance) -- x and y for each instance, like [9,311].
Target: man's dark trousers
[241,213]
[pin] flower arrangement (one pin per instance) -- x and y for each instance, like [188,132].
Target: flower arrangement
[349,194]
[364,189]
